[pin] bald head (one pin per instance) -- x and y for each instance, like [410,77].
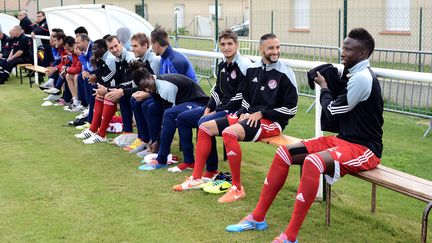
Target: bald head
[22,15]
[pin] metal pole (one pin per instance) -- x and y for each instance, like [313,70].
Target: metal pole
[176,29]
[4,6]
[339,28]
[216,23]
[61,2]
[271,21]
[19,5]
[143,10]
[420,39]
[37,5]
[345,32]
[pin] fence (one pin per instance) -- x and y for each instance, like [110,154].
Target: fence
[406,94]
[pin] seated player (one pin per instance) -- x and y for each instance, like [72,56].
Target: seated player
[357,147]
[269,100]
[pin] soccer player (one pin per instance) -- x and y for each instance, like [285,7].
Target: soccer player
[104,64]
[357,147]
[85,88]
[225,99]
[124,86]
[269,100]
[176,93]
[6,45]
[140,100]
[171,60]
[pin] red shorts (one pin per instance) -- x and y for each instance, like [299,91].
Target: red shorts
[349,157]
[265,128]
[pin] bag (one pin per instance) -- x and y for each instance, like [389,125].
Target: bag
[124,140]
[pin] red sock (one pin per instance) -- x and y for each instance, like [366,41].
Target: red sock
[233,152]
[97,114]
[313,166]
[203,149]
[210,174]
[273,182]
[109,111]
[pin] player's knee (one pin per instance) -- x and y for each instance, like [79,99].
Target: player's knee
[314,162]
[229,134]
[282,154]
[204,131]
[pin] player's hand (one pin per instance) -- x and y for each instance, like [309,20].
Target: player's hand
[114,94]
[320,80]
[101,90]
[85,74]
[206,112]
[140,95]
[253,119]
[243,116]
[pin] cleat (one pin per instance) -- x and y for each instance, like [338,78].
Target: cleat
[48,84]
[52,97]
[153,165]
[190,184]
[94,139]
[135,144]
[52,90]
[182,167]
[61,102]
[248,223]
[83,126]
[233,195]
[217,187]
[143,153]
[85,134]
[282,238]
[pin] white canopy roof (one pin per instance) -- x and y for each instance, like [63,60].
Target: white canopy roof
[98,19]
[7,22]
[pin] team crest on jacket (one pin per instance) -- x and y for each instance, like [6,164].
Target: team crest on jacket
[272,84]
[233,74]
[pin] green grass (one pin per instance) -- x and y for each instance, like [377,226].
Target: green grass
[54,188]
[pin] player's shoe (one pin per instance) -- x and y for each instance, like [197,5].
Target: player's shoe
[85,134]
[153,165]
[95,139]
[217,187]
[135,144]
[190,184]
[233,195]
[282,238]
[248,223]
[182,167]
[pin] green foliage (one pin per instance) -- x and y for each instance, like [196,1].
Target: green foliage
[54,188]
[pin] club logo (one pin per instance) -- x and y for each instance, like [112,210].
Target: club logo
[233,74]
[272,84]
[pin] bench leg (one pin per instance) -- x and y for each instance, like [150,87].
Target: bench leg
[20,71]
[328,204]
[425,222]
[373,198]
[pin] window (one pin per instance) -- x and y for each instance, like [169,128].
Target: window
[139,10]
[301,14]
[398,15]
[212,10]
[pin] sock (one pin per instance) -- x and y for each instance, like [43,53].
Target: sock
[274,181]
[210,174]
[97,114]
[233,152]
[109,110]
[203,149]
[313,166]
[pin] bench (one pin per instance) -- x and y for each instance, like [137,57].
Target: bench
[392,179]
[19,68]
[33,68]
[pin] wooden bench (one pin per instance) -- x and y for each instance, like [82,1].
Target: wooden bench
[392,179]
[33,68]
[19,69]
